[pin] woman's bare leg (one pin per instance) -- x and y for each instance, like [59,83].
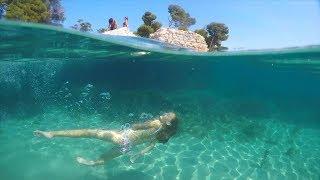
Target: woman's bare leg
[109,155]
[107,135]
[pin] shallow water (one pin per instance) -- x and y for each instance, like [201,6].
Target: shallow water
[252,114]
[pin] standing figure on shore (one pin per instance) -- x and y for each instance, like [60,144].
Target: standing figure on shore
[112,24]
[158,130]
[125,23]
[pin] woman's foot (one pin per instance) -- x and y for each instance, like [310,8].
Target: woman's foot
[43,133]
[86,162]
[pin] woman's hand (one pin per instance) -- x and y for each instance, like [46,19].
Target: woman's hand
[143,152]
[133,158]
[42,133]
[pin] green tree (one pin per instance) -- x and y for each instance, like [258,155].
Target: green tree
[28,10]
[3,7]
[82,26]
[145,30]
[102,30]
[202,32]
[179,18]
[25,7]
[57,15]
[218,32]
[156,25]
[148,18]
[149,26]
[6,1]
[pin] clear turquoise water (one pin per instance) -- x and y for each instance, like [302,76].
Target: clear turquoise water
[245,115]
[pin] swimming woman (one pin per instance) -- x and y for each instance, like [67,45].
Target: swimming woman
[158,130]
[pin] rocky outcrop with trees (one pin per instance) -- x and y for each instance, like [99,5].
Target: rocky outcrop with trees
[179,22]
[187,39]
[178,34]
[209,38]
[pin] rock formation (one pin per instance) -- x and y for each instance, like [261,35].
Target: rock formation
[185,39]
[124,31]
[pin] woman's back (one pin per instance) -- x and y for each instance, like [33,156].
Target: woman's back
[140,136]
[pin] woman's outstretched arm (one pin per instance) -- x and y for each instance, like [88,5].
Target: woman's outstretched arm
[148,148]
[143,152]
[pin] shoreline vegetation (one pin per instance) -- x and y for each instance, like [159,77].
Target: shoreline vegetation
[51,12]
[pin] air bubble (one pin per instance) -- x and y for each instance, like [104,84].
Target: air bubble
[84,94]
[88,87]
[126,143]
[105,95]
[68,95]
[144,116]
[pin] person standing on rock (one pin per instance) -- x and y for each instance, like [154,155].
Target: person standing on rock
[112,24]
[125,23]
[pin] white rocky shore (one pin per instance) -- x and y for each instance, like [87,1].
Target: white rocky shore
[124,31]
[177,37]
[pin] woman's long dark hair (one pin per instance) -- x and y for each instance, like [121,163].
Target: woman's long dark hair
[167,131]
[111,20]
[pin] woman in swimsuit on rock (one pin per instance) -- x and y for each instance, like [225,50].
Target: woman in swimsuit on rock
[112,24]
[158,130]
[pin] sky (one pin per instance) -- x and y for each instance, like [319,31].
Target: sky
[253,24]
